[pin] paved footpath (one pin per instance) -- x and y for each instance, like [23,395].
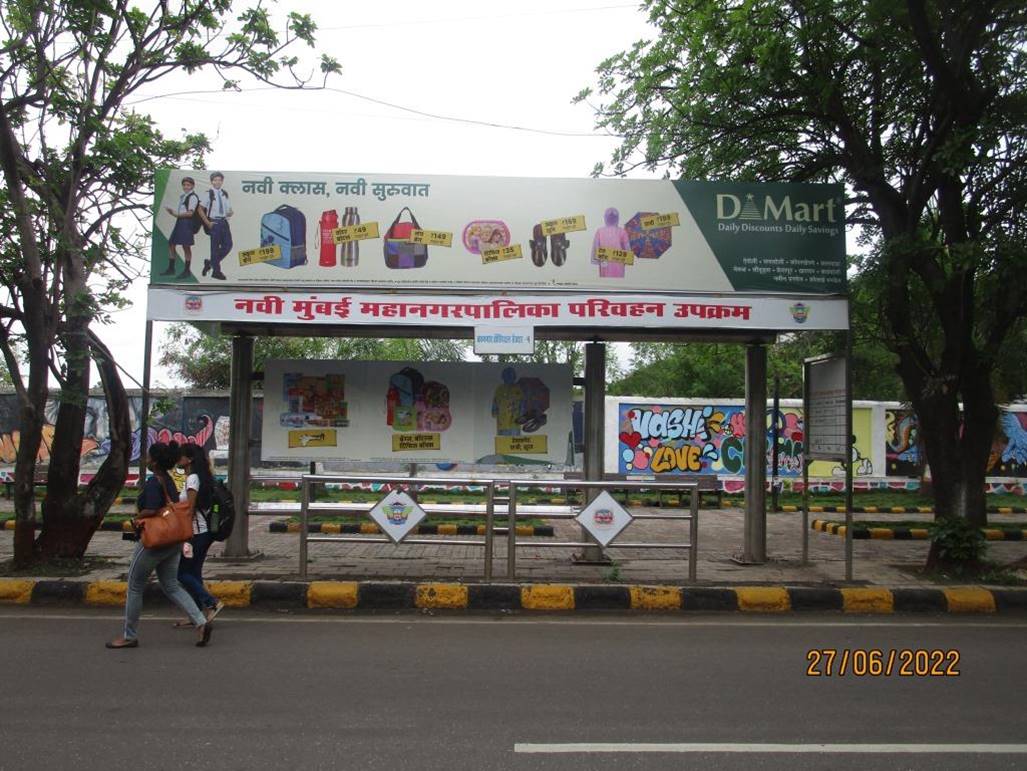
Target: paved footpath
[437,577]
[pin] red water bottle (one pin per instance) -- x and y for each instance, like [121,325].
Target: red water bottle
[329,222]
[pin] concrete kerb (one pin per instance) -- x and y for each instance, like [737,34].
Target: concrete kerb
[860,531]
[542,598]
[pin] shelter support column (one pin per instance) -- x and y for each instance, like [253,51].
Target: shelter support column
[755,533]
[240,405]
[595,399]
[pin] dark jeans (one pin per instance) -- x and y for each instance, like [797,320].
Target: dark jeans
[220,243]
[190,571]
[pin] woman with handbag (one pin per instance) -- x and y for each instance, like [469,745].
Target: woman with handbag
[198,491]
[165,527]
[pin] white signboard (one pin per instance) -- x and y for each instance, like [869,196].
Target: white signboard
[541,310]
[427,412]
[504,340]
[397,514]
[604,518]
[827,414]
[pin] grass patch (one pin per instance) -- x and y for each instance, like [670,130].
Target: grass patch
[883,499]
[56,568]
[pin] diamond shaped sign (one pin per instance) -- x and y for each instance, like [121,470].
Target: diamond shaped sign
[397,514]
[604,518]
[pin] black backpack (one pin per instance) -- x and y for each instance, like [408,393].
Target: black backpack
[196,222]
[222,511]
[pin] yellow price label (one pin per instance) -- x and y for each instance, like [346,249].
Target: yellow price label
[502,253]
[263,254]
[651,221]
[522,445]
[408,442]
[563,225]
[318,437]
[432,237]
[360,232]
[622,256]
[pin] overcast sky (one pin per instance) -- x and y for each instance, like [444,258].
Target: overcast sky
[496,62]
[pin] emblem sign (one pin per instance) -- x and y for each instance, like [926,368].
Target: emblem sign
[604,518]
[397,514]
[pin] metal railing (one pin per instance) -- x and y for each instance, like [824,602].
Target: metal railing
[692,545]
[511,486]
[408,483]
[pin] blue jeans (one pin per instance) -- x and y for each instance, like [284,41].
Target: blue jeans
[190,571]
[165,562]
[220,243]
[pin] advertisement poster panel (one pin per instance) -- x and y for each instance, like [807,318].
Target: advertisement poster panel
[430,412]
[260,229]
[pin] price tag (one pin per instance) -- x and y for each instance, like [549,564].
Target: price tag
[563,225]
[659,221]
[407,442]
[502,253]
[263,254]
[360,232]
[432,237]
[522,445]
[615,255]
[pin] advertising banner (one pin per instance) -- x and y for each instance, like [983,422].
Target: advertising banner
[441,233]
[540,310]
[416,412]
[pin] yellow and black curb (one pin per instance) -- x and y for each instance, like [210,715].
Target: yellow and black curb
[895,509]
[370,528]
[909,533]
[409,595]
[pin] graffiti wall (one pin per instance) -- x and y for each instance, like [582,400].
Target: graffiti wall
[200,419]
[710,438]
[693,436]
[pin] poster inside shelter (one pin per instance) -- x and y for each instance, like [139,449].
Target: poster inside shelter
[416,412]
[236,229]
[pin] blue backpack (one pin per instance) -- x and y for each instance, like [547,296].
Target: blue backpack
[287,227]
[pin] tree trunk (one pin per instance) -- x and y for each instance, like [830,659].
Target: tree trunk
[70,521]
[32,416]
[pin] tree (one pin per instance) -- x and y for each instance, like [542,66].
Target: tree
[205,362]
[77,164]
[920,109]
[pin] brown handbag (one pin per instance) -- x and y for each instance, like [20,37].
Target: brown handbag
[172,524]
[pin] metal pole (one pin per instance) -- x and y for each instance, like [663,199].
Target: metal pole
[304,518]
[595,397]
[511,536]
[849,441]
[240,402]
[412,489]
[775,449]
[693,560]
[805,464]
[144,409]
[755,535]
[490,501]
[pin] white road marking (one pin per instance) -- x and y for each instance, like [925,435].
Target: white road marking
[703,747]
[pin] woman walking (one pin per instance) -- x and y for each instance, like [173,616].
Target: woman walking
[199,491]
[157,492]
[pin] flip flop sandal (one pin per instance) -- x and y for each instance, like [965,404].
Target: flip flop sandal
[205,632]
[123,643]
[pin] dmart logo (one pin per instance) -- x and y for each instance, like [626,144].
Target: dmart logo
[770,209]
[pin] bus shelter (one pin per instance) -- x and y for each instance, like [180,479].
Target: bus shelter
[501,261]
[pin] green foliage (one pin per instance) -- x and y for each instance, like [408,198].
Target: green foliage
[203,361]
[919,109]
[957,541]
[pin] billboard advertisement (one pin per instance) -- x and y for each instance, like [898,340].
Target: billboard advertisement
[428,412]
[441,233]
